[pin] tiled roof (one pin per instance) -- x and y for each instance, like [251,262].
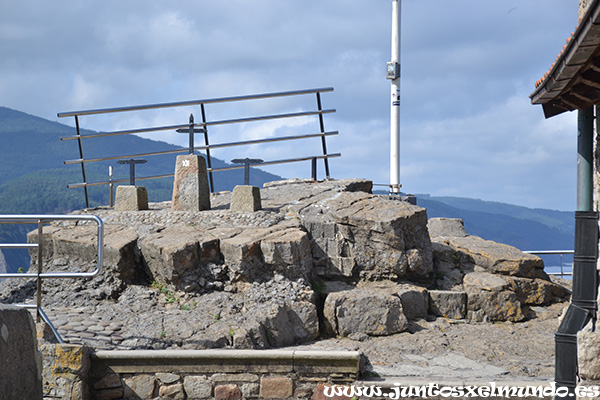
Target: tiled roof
[541,80]
[573,81]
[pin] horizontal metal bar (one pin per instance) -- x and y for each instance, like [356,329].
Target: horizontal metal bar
[156,153]
[212,146]
[284,161]
[213,123]
[127,132]
[79,185]
[193,102]
[27,219]
[18,245]
[542,252]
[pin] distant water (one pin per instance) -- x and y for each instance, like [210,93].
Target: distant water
[555,269]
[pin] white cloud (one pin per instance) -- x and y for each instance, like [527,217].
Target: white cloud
[467,70]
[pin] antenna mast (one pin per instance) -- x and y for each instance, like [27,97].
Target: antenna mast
[393,73]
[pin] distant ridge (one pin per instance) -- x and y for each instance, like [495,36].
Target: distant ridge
[522,227]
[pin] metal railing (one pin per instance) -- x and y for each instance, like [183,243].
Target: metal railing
[561,253]
[204,125]
[40,220]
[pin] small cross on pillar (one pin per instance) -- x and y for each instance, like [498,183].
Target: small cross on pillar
[132,162]
[190,131]
[246,161]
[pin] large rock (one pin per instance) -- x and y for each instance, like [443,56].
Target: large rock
[181,257]
[538,292]
[446,227]
[257,254]
[359,235]
[373,312]
[77,245]
[496,257]
[490,298]
[448,304]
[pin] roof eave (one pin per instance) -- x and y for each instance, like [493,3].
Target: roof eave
[576,58]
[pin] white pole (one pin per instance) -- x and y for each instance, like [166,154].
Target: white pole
[394,75]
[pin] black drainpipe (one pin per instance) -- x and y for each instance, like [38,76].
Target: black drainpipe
[585,276]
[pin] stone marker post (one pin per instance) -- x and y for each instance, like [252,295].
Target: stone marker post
[132,197]
[21,374]
[190,187]
[246,198]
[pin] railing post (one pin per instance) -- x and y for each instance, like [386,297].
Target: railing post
[323,143]
[39,269]
[85,188]
[313,163]
[110,185]
[208,161]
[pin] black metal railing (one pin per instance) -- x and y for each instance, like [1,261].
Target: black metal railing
[202,127]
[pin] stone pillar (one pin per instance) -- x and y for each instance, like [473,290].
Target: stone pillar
[131,198]
[190,186]
[21,376]
[245,199]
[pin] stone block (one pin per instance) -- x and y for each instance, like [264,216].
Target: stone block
[197,387]
[21,376]
[190,186]
[415,301]
[250,390]
[174,392]
[374,312]
[140,386]
[245,199]
[167,378]
[131,198]
[228,392]
[448,304]
[276,387]
[446,227]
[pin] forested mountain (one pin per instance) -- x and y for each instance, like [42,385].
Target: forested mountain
[522,227]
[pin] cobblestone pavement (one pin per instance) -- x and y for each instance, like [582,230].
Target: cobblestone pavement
[77,326]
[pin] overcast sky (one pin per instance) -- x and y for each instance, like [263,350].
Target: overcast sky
[468,66]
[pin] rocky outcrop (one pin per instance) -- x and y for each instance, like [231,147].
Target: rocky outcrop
[319,258]
[357,235]
[498,280]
